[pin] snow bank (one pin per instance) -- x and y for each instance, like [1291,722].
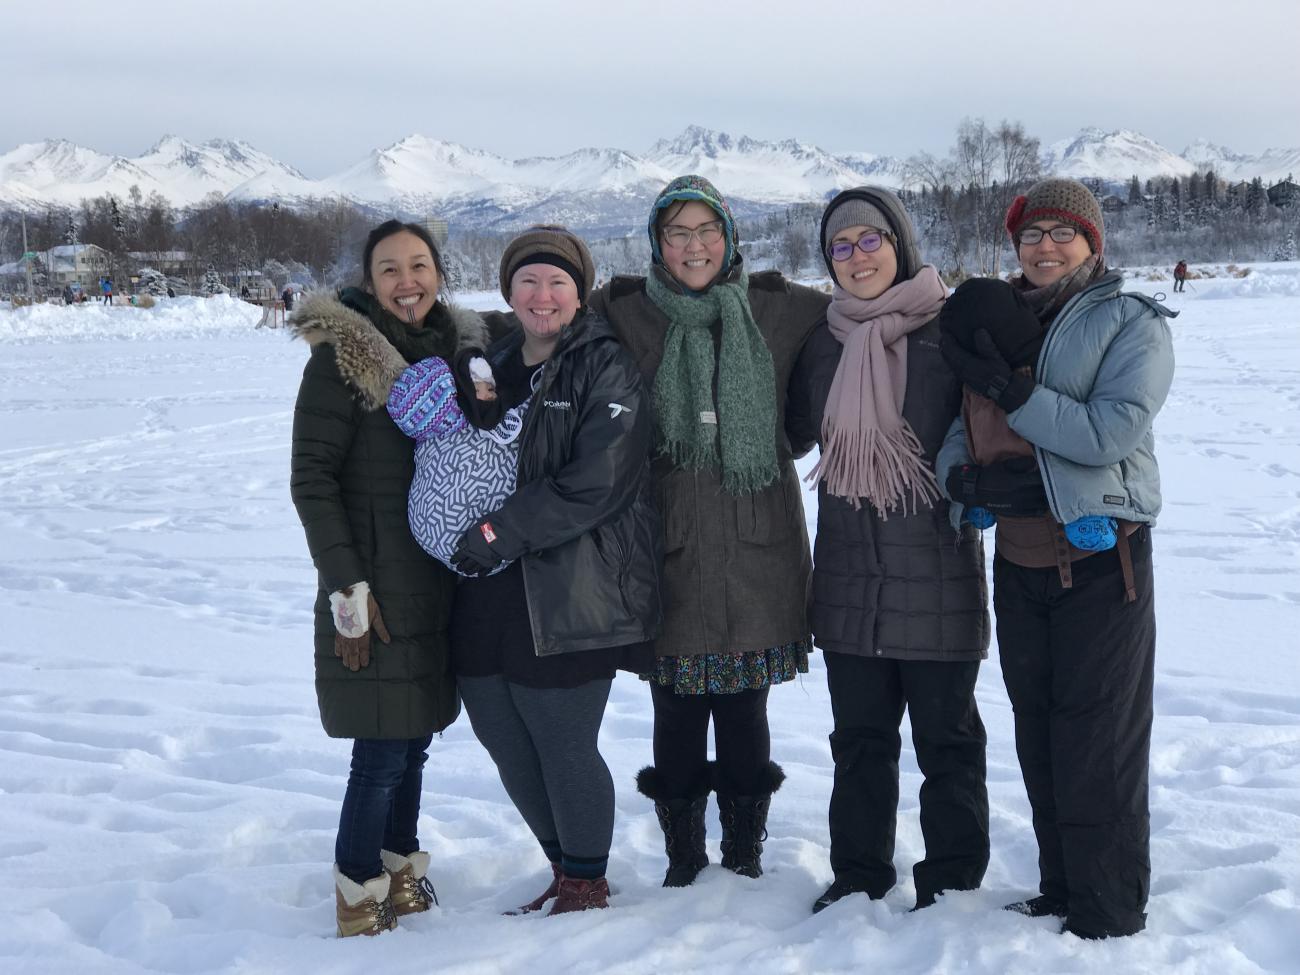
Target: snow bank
[169,318]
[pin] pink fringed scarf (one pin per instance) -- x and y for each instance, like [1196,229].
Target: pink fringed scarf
[869,450]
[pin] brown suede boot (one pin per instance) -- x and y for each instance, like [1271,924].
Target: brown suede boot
[538,902]
[580,895]
[411,891]
[362,908]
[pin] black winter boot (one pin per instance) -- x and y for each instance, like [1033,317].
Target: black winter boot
[682,820]
[744,824]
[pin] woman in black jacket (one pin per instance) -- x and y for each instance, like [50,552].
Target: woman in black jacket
[352,470]
[535,646]
[898,598]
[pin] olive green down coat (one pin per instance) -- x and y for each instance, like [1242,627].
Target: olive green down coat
[736,567]
[351,472]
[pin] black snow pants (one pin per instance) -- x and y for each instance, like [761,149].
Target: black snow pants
[868,696]
[1079,668]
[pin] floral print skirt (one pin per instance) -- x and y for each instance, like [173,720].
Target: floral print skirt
[729,673]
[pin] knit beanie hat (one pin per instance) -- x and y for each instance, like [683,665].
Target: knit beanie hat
[423,403]
[872,206]
[853,212]
[549,244]
[999,309]
[1066,200]
[685,188]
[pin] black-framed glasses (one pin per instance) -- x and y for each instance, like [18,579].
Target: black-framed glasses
[708,234]
[842,250]
[1061,235]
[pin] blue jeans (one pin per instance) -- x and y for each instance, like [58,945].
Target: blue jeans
[382,804]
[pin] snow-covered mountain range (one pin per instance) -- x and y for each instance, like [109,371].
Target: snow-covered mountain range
[592,188]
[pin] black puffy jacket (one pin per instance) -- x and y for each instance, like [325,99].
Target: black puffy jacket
[907,587]
[581,519]
[351,471]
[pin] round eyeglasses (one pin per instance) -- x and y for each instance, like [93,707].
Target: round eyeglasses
[708,234]
[842,250]
[1034,235]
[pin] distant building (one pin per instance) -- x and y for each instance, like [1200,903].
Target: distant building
[82,264]
[174,264]
[1284,194]
[437,228]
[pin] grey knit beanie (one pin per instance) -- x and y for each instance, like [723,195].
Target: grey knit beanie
[1066,200]
[549,244]
[872,206]
[853,212]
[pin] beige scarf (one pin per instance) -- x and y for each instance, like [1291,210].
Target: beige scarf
[868,449]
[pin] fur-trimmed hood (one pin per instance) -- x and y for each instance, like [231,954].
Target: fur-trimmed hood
[368,360]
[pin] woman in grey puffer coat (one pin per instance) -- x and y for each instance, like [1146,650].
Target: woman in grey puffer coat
[899,602]
[1076,628]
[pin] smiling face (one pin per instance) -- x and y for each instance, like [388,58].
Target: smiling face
[865,276]
[694,264]
[1047,261]
[545,299]
[404,277]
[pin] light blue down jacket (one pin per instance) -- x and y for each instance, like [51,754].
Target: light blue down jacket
[1102,375]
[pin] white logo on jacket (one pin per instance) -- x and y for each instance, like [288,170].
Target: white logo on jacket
[616,408]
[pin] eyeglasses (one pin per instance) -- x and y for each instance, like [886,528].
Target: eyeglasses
[842,250]
[707,234]
[1034,235]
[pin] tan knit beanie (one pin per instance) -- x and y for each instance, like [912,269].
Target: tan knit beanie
[549,244]
[1066,200]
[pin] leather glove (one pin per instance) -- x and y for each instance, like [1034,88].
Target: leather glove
[1011,487]
[986,372]
[356,614]
[474,555]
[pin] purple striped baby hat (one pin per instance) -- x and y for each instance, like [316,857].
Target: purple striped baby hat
[423,403]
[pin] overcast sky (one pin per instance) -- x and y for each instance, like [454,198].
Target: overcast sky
[320,83]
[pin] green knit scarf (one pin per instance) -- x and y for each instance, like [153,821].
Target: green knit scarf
[690,431]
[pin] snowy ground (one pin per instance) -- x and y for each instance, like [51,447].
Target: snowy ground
[168,800]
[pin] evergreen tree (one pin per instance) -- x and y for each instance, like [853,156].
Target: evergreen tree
[1134,191]
[152,281]
[70,231]
[1286,251]
[212,282]
[1176,205]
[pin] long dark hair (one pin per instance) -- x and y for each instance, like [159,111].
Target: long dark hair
[389,228]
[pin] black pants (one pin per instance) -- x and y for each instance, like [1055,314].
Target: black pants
[741,736]
[868,696]
[1079,666]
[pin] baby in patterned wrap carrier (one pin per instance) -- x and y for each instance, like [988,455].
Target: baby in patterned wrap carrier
[464,465]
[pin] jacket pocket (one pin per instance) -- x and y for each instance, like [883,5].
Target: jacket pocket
[770,515]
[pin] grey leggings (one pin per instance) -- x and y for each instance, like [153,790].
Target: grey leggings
[544,744]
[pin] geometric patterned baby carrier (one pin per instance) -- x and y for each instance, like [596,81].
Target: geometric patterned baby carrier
[459,478]
[461,472]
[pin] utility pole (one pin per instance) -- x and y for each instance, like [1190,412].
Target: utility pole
[27,259]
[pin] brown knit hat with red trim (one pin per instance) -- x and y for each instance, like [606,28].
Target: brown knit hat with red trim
[1066,200]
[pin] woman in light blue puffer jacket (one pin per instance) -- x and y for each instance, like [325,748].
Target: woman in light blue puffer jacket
[1076,628]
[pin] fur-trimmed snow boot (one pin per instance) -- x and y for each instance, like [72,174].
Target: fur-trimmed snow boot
[411,891]
[538,902]
[363,908]
[744,823]
[576,894]
[682,820]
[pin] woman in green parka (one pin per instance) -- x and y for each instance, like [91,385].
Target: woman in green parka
[718,346]
[383,674]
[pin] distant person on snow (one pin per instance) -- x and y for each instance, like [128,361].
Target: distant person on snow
[287,297]
[1076,629]
[1180,276]
[106,290]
